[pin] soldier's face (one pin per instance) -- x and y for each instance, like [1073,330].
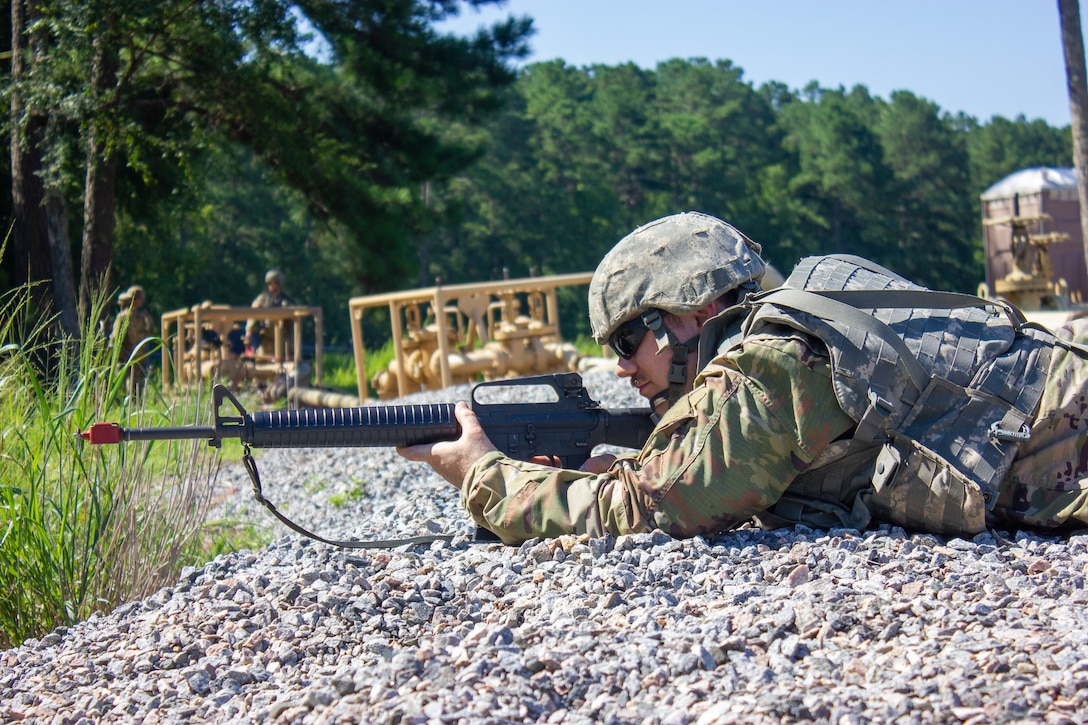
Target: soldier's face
[274,287]
[648,369]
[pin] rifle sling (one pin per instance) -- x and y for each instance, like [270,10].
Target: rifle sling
[255,478]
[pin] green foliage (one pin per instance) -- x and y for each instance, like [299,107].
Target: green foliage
[356,492]
[1003,146]
[399,156]
[582,155]
[803,174]
[314,485]
[339,371]
[219,247]
[378,360]
[930,165]
[223,536]
[842,173]
[86,528]
[149,96]
[587,347]
[339,367]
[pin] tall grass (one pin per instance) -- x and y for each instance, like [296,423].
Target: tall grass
[84,528]
[339,367]
[339,371]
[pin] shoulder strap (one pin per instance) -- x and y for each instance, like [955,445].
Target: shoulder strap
[829,306]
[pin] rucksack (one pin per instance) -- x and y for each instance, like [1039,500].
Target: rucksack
[942,385]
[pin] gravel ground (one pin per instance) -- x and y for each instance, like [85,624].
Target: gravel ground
[794,625]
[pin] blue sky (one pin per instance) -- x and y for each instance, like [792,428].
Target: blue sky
[982,57]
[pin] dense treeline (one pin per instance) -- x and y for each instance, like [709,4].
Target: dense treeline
[472,174]
[128,120]
[583,155]
[580,156]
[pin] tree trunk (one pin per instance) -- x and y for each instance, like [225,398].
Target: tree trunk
[100,191]
[99,221]
[41,255]
[29,258]
[60,254]
[1073,44]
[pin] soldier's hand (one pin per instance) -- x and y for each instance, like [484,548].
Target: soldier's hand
[598,464]
[452,459]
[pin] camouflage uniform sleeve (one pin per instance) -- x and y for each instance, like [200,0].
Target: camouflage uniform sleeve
[146,324]
[115,329]
[252,323]
[134,332]
[1047,485]
[724,452]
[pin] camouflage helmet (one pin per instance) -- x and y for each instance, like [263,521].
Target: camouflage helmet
[678,264]
[273,275]
[135,291]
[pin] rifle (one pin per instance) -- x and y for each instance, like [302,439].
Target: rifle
[566,429]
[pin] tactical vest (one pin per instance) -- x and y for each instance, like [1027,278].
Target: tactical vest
[943,387]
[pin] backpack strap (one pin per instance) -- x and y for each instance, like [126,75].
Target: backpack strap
[829,305]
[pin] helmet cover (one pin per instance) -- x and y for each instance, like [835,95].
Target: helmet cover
[678,264]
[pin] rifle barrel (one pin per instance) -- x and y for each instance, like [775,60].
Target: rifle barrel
[107,433]
[170,433]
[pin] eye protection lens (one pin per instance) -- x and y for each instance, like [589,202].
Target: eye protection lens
[625,341]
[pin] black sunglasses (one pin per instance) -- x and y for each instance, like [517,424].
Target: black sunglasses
[625,340]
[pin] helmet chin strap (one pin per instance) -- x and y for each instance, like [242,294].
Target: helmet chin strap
[678,378]
[678,367]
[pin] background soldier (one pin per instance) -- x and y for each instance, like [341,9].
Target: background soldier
[132,325]
[260,334]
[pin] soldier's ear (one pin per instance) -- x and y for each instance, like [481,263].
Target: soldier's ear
[707,311]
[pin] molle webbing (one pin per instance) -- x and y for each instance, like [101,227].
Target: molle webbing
[932,378]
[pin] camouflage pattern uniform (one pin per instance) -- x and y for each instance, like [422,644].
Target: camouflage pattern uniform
[727,451]
[137,324]
[134,319]
[259,333]
[1048,483]
[721,454]
[760,414]
[266,299]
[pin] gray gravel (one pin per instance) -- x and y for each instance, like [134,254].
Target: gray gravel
[784,626]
